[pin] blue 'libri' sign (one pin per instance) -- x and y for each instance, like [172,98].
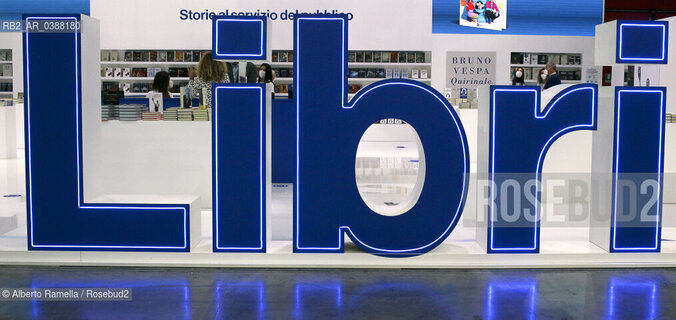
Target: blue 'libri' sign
[327,202]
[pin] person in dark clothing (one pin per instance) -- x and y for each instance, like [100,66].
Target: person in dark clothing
[243,72]
[552,77]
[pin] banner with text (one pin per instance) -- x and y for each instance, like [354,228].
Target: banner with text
[466,71]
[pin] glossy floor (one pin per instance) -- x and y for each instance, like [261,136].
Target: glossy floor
[351,294]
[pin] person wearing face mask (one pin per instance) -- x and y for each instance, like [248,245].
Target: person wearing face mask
[552,78]
[542,77]
[265,74]
[518,78]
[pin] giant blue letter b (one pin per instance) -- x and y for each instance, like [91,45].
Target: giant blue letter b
[328,131]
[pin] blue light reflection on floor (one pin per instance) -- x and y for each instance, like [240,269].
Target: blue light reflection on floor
[348,294]
[632,298]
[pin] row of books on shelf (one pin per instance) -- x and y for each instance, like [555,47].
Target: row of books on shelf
[570,75]
[283,88]
[354,88]
[141,87]
[368,73]
[541,58]
[364,56]
[386,56]
[187,114]
[670,118]
[464,103]
[283,72]
[136,112]
[6,87]
[6,70]
[388,73]
[5,55]
[138,87]
[109,72]
[151,55]
[282,56]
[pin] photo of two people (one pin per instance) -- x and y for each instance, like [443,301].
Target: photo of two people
[488,14]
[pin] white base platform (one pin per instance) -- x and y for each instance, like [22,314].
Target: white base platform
[561,248]
[193,202]
[448,255]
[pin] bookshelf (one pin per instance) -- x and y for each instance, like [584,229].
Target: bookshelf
[569,65]
[364,67]
[132,71]
[6,74]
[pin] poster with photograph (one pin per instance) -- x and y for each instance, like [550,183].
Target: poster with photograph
[486,14]
[646,76]
[155,102]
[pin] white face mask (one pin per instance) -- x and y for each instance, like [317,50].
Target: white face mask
[519,74]
[261,74]
[171,83]
[543,75]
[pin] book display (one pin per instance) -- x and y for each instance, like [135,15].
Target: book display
[133,71]
[6,73]
[136,112]
[569,65]
[131,112]
[364,68]
[171,114]
[151,116]
[155,102]
[185,114]
[470,101]
[110,112]
[200,114]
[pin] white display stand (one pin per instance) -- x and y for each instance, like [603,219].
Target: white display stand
[8,132]
[195,216]
[602,166]
[667,78]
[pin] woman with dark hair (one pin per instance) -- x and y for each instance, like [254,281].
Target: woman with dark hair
[542,77]
[208,72]
[162,83]
[265,74]
[518,78]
